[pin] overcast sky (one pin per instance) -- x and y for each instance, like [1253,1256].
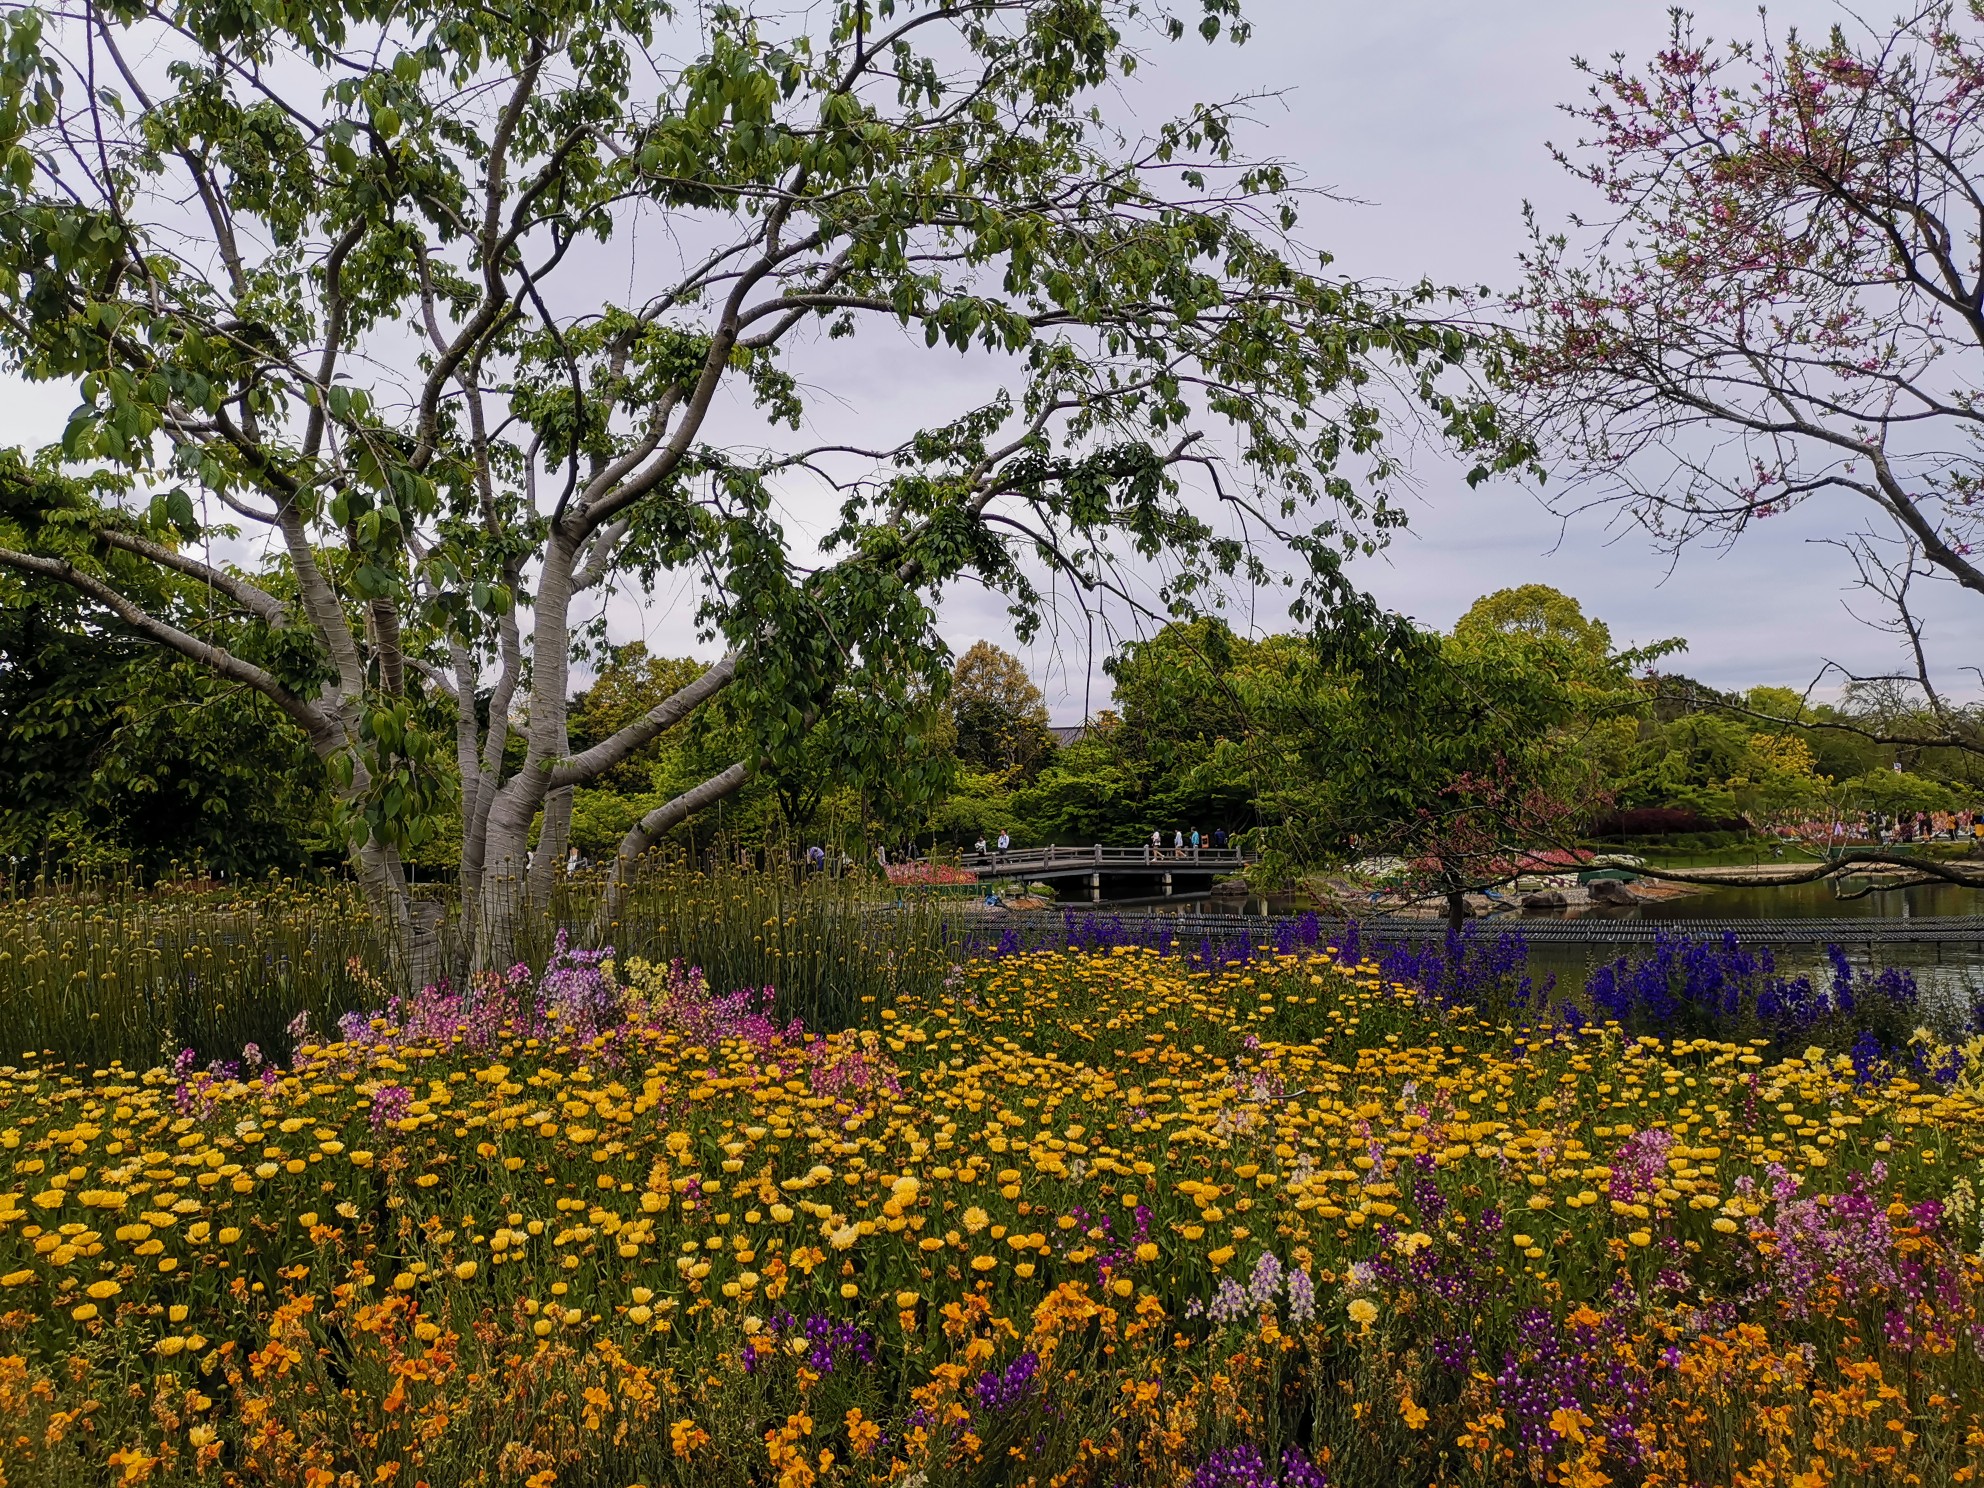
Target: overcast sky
[1434,115]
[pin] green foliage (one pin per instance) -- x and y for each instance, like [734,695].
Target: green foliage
[120,756]
[1898,792]
[998,716]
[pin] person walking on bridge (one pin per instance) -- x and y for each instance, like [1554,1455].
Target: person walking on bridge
[1219,839]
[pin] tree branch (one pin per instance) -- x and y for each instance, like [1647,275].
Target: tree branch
[643,833]
[610,751]
[323,732]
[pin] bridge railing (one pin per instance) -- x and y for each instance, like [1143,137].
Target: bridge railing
[1032,859]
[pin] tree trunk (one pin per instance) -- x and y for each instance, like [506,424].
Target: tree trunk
[1456,909]
[500,898]
[412,940]
[553,838]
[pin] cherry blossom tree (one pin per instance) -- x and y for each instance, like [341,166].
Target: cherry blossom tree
[1781,299]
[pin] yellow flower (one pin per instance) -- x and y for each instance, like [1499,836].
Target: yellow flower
[16,1278]
[975,1219]
[465,1271]
[103,1291]
[1569,1424]
[844,1237]
[685,1436]
[1724,1225]
[84,1313]
[1640,1237]
[1363,1311]
[906,1300]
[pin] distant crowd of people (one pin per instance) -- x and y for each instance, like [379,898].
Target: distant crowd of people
[1184,844]
[1926,826]
[1884,829]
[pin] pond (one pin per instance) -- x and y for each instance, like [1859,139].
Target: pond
[1815,901]
[1949,972]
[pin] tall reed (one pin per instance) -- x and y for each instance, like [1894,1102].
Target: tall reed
[116,972]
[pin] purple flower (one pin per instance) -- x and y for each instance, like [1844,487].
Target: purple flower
[1639,1166]
[1229,1303]
[1265,1285]
[998,1392]
[1301,1297]
[1234,1467]
[1245,1467]
[389,1106]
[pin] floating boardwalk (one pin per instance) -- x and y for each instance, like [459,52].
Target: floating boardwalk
[1041,928]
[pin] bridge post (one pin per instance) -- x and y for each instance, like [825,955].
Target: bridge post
[1095,888]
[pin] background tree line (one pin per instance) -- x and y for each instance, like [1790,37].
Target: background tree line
[1524,727]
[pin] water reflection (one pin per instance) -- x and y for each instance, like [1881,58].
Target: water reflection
[1817,901]
[1949,972]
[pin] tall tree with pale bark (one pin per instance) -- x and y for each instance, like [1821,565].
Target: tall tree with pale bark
[470,314]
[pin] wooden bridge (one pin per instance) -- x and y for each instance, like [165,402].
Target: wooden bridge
[1158,871]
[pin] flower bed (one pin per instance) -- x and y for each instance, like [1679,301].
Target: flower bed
[1103,1218]
[936,875]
